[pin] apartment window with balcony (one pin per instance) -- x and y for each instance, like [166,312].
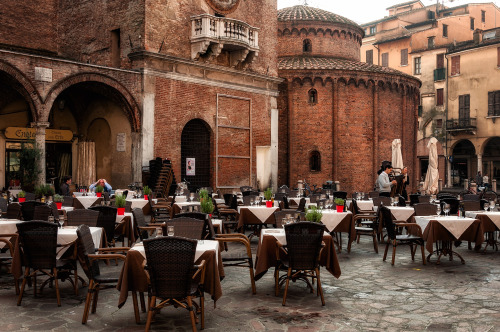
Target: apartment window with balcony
[455,65]
[369,57]
[404,57]
[464,107]
[418,66]
[494,103]
[385,59]
[445,30]
[430,42]
[373,30]
[483,16]
[472,23]
[439,97]
[306,45]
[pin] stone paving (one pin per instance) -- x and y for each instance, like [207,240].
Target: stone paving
[371,295]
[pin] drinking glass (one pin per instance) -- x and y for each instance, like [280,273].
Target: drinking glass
[438,209]
[446,209]
[51,218]
[492,205]
[486,206]
[61,221]
[170,230]
[159,232]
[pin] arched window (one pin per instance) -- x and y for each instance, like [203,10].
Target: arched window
[313,96]
[315,161]
[307,46]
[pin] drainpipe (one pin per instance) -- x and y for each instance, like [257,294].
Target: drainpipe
[447,169]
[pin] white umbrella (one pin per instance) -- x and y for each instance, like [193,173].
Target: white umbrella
[432,177]
[397,156]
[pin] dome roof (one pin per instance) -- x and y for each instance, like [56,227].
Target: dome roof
[306,13]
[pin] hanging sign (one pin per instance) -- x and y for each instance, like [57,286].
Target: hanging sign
[29,133]
[190,166]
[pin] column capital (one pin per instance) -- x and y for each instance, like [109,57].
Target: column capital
[40,124]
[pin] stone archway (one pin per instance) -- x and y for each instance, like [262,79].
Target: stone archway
[195,154]
[491,159]
[464,162]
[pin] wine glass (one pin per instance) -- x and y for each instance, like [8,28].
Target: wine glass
[446,209]
[486,206]
[191,197]
[61,221]
[170,230]
[438,209]
[492,205]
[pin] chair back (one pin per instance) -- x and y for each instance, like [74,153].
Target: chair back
[414,199]
[231,201]
[208,229]
[30,197]
[284,189]
[191,208]
[387,222]
[13,211]
[42,212]
[425,209]
[244,189]
[381,199]
[293,193]
[279,196]
[303,241]
[82,217]
[401,201]
[140,221]
[424,198]
[55,211]
[454,204]
[38,240]
[490,196]
[68,201]
[471,197]
[170,263]
[186,227]
[302,205]
[106,220]
[86,248]
[28,209]
[471,205]
[444,195]
[3,204]
[314,197]
[340,194]
[250,198]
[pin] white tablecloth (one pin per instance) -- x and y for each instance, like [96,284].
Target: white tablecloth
[179,199]
[201,247]
[67,208]
[261,212]
[494,216]
[401,212]
[455,225]
[8,226]
[332,218]
[138,202]
[87,201]
[296,200]
[120,217]
[68,235]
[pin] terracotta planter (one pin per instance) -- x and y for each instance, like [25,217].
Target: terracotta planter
[340,208]
[98,194]
[145,197]
[59,205]
[269,204]
[21,199]
[121,211]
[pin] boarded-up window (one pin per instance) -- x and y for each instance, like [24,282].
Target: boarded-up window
[439,97]
[404,57]
[369,57]
[440,61]
[494,103]
[385,59]
[464,107]
[455,65]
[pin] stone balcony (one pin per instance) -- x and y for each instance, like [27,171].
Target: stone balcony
[211,34]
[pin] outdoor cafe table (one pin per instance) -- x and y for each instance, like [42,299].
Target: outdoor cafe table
[8,226]
[256,215]
[266,252]
[177,208]
[296,200]
[340,222]
[365,205]
[140,203]
[134,278]
[448,229]
[125,226]
[86,201]
[490,222]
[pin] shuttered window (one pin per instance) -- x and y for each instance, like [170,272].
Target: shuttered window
[494,103]
[385,59]
[439,97]
[498,57]
[404,57]
[455,65]
[440,61]
[369,57]
[464,107]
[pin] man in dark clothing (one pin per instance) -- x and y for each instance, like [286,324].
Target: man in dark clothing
[65,186]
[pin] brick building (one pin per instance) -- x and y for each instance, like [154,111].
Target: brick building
[178,79]
[338,116]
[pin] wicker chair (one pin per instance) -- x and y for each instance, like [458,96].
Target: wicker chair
[424,198]
[68,201]
[425,209]
[373,194]
[28,209]
[144,229]
[396,239]
[229,215]
[471,197]
[107,220]
[82,217]
[490,196]
[89,261]
[208,228]
[414,199]
[42,212]
[366,224]
[340,194]
[3,206]
[303,248]
[186,227]
[13,211]
[247,200]
[30,197]
[381,199]
[6,257]
[302,205]
[454,204]
[38,240]
[471,205]
[170,263]
[55,211]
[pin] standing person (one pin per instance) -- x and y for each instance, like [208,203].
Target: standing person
[66,181]
[103,183]
[384,184]
[479,179]
[486,181]
[406,180]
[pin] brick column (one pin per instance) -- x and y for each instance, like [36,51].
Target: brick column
[40,144]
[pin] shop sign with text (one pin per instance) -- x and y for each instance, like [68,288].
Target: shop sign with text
[29,133]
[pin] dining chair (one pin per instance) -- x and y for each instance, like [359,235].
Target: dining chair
[366,224]
[82,217]
[107,220]
[3,206]
[42,212]
[13,211]
[471,205]
[425,209]
[171,269]
[186,227]
[208,228]
[28,209]
[144,229]
[300,256]
[68,201]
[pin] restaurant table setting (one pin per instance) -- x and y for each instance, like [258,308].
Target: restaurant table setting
[365,205]
[256,215]
[177,208]
[8,226]
[266,252]
[296,200]
[86,201]
[140,203]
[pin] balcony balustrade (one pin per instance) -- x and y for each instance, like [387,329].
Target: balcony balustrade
[455,126]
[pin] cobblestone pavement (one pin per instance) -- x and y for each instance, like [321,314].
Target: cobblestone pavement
[371,295]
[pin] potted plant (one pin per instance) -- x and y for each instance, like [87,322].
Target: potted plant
[40,192]
[314,214]
[21,197]
[49,191]
[99,190]
[58,199]
[121,201]
[268,195]
[339,202]
[203,193]
[147,192]
[206,205]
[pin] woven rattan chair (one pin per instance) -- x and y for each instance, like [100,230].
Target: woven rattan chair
[170,264]
[55,211]
[106,220]
[144,229]
[279,215]
[3,206]
[490,196]
[28,209]
[13,211]
[82,217]
[425,209]
[301,260]
[186,227]
[30,196]
[208,228]
[42,212]
[366,224]
[230,214]
[340,194]
[302,205]
[471,197]
[38,241]
[414,199]
[373,194]
[454,204]
[386,201]
[471,205]
[89,261]
[68,201]
[398,239]
[7,253]
[424,198]
[247,200]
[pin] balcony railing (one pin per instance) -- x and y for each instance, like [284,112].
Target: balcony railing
[220,32]
[464,124]
[439,74]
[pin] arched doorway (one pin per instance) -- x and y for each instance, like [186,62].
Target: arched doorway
[464,156]
[195,154]
[491,159]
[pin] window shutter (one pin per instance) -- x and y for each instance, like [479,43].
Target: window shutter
[369,57]
[497,103]
[440,97]
[404,57]
[498,57]
[491,103]
[385,60]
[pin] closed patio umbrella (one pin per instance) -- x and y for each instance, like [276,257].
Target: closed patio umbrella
[397,156]
[432,177]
